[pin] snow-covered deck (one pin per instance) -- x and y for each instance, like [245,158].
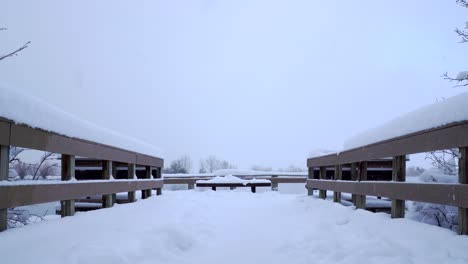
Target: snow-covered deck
[231,227]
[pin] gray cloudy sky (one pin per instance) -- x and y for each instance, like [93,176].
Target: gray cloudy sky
[251,81]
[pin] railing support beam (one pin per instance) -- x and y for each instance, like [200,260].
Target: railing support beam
[362,176]
[274,184]
[338,176]
[4,167]
[148,173]
[159,176]
[310,191]
[323,176]
[131,196]
[463,179]
[68,174]
[354,177]
[398,175]
[106,175]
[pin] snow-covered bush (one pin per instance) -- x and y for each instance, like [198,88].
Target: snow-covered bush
[441,215]
[19,218]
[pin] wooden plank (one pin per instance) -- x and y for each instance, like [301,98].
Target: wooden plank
[159,176]
[146,193]
[5,128]
[149,161]
[274,184]
[106,175]
[310,175]
[4,166]
[443,137]
[362,176]
[68,174]
[398,175]
[446,194]
[323,176]
[131,175]
[338,176]
[354,177]
[463,179]
[19,195]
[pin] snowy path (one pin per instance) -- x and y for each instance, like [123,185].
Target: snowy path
[231,227]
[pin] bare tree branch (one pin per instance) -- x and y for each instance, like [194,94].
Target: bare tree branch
[457,80]
[14,53]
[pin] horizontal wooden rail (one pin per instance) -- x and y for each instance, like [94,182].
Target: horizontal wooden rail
[449,136]
[445,194]
[27,194]
[12,134]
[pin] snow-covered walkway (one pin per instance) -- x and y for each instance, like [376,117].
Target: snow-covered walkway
[231,227]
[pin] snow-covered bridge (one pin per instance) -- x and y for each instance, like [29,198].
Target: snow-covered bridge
[233,227]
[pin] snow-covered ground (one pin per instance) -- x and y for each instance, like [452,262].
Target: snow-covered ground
[231,227]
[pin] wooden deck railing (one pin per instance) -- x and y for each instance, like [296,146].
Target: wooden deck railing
[14,194]
[275,179]
[454,135]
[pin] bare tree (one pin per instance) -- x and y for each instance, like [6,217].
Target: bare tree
[462,78]
[180,165]
[445,160]
[15,52]
[14,153]
[45,167]
[212,164]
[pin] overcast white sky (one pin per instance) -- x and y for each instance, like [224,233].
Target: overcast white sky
[251,81]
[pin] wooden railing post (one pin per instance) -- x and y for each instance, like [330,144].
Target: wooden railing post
[114,175]
[68,174]
[310,176]
[323,176]
[362,176]
[159,176]
[106,175]
[191,186]
[463,179]
[4,167]
[398,175]
[338,176]
[274,184]
[354,177]
[146,193]
[131,175]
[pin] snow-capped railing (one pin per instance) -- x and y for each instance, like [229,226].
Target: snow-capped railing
[454,135]
[275,178]
[14,194]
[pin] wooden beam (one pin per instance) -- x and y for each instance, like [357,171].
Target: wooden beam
[398,175]
[159,176]
[274,184]
[131,175]
[4,167]
[146,193]
[338,176]
[310,191]
[27,194]
[354,177]
[463,179]
[323,176]
[68,174]
[106,175]
[362,176]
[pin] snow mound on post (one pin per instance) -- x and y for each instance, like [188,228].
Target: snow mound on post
[454,109]
[231,179]
[24,109]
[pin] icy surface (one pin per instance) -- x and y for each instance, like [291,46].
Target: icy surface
[231,228]
[232,179]
[444,112]
[23,109]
